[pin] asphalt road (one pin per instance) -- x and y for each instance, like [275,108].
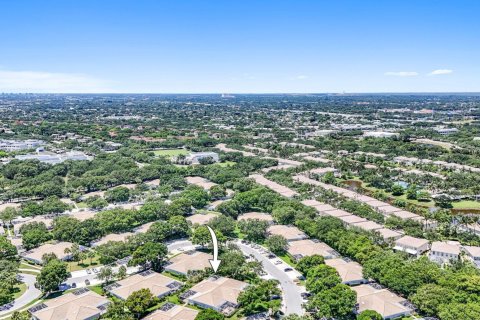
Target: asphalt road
[292,298]
[31,294]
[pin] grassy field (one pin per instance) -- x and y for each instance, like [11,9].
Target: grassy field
[75,266]
[464,204]
[170,152]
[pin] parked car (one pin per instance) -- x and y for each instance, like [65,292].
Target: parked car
[87,282]
[288,269]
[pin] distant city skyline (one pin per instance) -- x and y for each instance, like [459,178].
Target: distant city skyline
[243,46]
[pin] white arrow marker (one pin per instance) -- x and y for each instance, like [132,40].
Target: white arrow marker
[215,263]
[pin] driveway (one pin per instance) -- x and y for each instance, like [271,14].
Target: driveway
[31,294]
[292,299]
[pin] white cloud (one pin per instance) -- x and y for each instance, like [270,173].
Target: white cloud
[440,71]
[49,82]
[402,74]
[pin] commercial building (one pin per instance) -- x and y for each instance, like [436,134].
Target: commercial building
[53,158]
[197,157]
[17,145]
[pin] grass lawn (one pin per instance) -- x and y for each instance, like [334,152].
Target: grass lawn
[75,266]
[226,164]
[238,233]
[287,259]
[97,289]
[24,265]
[19,290]
[170,152]
[466,204]
[81,205]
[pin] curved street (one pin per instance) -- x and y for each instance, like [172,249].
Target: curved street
[28,296]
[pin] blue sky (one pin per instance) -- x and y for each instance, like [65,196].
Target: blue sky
[239,46]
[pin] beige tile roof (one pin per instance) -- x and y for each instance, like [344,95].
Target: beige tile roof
[155,282]
[72,307]
[473,251]
[215,292]
[368,225]
[348,271]
[389,234]
[409,241]
[83,215]
[58,249]
[449,247]
[201,182]
[389,209]
[288,232]
[305,248]
[144,227]
[383,301]
[193,261]
[405,215]
[175,313]
[336,213]
[201,219]
[113,237]
[256,216]
[351,219]
[323,170]
[282,190]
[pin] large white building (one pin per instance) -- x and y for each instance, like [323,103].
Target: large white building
[195,158]
[16,145]
[53,158]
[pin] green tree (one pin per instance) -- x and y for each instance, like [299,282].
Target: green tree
[140,301]
[209,314]
[52,275]
[117,311]
[254,230]
[397,190]
[258,297]
[321,278]
[217,192]
[118,194]
[456,311]
[21,316]
[7,249]
[428,298]
[151,253]
[337,302]
[277,244]
[307,263]
[369,315]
